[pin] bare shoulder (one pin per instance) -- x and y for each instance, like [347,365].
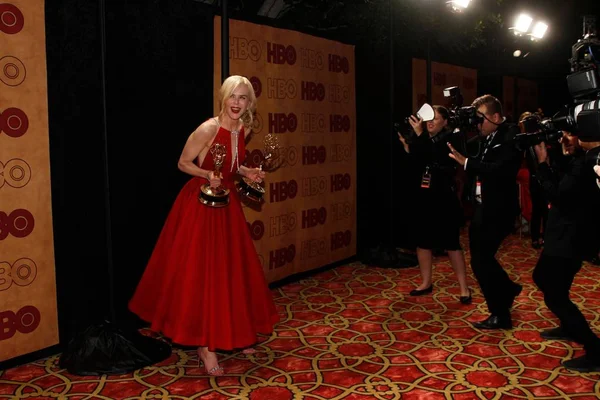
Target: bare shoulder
[206,130]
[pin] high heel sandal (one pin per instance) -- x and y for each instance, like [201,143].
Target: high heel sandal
[249,351]
[466,299]
[214,371]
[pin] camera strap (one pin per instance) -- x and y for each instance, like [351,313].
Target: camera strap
[487,143]
[486,146]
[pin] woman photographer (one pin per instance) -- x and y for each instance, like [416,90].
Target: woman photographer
[539,205]
[438,206]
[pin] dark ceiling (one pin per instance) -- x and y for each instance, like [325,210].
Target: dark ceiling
[478,38]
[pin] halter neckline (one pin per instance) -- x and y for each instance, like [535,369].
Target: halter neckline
[228,130]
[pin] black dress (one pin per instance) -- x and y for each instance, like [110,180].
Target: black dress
[438,211]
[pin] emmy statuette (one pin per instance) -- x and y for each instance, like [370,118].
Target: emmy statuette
[255,190]
[215,197]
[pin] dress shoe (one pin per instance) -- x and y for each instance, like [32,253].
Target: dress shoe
[421,292]
[466,299]
[582,364]
[556,334]
[494,322]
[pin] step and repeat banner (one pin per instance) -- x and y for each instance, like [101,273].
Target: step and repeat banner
[520,95]
[28,315]
[306,98]
[442,76]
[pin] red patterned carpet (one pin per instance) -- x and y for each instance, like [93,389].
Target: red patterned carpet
[353,333]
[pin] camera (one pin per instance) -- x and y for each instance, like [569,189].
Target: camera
[535,131]
[462,118]
[592,157]
[582,118]
[425,113]
[408,134]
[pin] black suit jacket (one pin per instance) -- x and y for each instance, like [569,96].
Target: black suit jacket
[497,171]
[572,226]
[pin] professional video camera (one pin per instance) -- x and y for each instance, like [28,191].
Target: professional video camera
[583,116]
[463,118]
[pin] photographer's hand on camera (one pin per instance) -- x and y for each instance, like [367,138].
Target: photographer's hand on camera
[417,124]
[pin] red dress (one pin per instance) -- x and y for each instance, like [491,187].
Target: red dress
[523,178]
[204,284]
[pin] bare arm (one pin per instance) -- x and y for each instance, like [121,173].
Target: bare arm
[243,171]
[247,131]
[197,145]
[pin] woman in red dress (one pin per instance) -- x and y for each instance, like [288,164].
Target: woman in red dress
[204,284]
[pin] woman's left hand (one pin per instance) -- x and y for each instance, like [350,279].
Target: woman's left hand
[255,174]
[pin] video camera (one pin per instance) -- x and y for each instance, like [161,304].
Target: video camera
[462,118]
[582,118]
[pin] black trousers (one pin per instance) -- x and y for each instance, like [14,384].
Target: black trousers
[485,237]
[539,210]
[554,276]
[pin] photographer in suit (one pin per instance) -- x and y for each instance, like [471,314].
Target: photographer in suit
[494,170]
[570,237]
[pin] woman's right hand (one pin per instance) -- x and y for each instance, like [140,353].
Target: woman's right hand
[215,181]
[417,124]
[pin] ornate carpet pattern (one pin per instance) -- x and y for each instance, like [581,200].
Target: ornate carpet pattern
[354,333]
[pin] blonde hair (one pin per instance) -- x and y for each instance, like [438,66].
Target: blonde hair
[525,115]
[228,87]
